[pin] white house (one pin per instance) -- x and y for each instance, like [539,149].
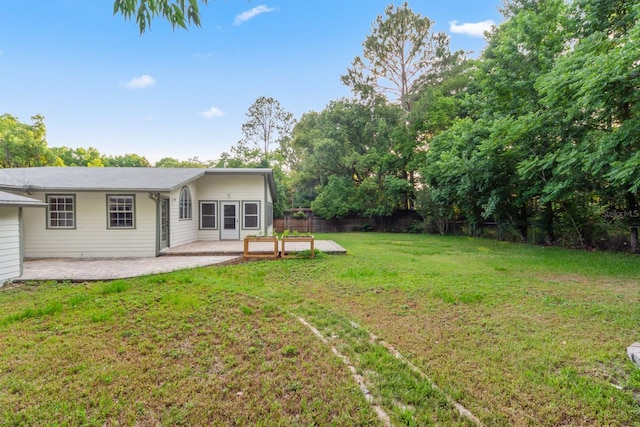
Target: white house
[137,212]
[11,248]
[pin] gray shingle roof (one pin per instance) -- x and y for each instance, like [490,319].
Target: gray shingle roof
[111,179]
[9,199]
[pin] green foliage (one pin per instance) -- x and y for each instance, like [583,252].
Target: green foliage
[336,200]
[543,132]
[179,13]
[126,160]
[89,157]
[193,162]
[23,145]
[349,160]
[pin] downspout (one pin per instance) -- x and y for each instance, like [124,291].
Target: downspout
[156,198]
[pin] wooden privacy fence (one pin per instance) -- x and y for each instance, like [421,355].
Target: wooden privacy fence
[399,222]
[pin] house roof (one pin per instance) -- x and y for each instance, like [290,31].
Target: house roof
[13,200]
[114,179]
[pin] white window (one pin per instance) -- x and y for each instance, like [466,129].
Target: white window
[185,205]
[61,211]
[269,214]
[251,215]
[121,211]
[209,215]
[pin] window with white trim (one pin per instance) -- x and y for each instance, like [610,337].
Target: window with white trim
[185,204]
[269,214]
[61,211]
[121,211]
[251,215]
[208,215]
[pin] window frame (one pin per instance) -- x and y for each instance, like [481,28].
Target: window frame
[109,211]
[269,214]
[49,226]
[185,204]
[215,214]
[244,214]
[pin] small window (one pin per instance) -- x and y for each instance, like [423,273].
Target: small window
[121,211]
[269,214]
[185,203]
[251,212]
[61,211]
[208,215]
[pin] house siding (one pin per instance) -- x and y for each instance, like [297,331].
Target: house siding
[91,238]
[236,188]
[10,261]
[183,231]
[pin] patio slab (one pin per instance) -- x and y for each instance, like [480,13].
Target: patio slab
[196,254]
[91,269]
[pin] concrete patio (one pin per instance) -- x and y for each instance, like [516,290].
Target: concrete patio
[197,254]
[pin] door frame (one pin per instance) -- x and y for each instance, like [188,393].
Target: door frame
[164,201]
[233,234]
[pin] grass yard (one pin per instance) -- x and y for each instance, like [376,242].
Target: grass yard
[518,335]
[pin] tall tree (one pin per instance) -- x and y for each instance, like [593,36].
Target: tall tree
[179,13]
[592,93]
[352,148]
[267,125]
[22,144]
[400,55]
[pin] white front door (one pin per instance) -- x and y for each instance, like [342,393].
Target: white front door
[230,228]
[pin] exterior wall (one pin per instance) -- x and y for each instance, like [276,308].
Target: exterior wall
[232,188]
[10,262]
[183,231]
[91,238]
[270,228]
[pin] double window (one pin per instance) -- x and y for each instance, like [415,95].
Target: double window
[61,211]
[121,211]
[185,204]
[208,215]
[251,215]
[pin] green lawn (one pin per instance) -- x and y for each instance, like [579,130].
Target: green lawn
[518,335]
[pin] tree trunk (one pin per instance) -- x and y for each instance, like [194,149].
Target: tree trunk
[632,208]
[547,223]
[524,222]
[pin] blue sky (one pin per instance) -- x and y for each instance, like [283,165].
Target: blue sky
[185,93]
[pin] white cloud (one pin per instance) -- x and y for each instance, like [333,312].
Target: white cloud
[212,112]
[202,55]
[249,14]
[473,29]
[140,82]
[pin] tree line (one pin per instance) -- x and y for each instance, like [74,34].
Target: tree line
[539,135]
[25,145]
